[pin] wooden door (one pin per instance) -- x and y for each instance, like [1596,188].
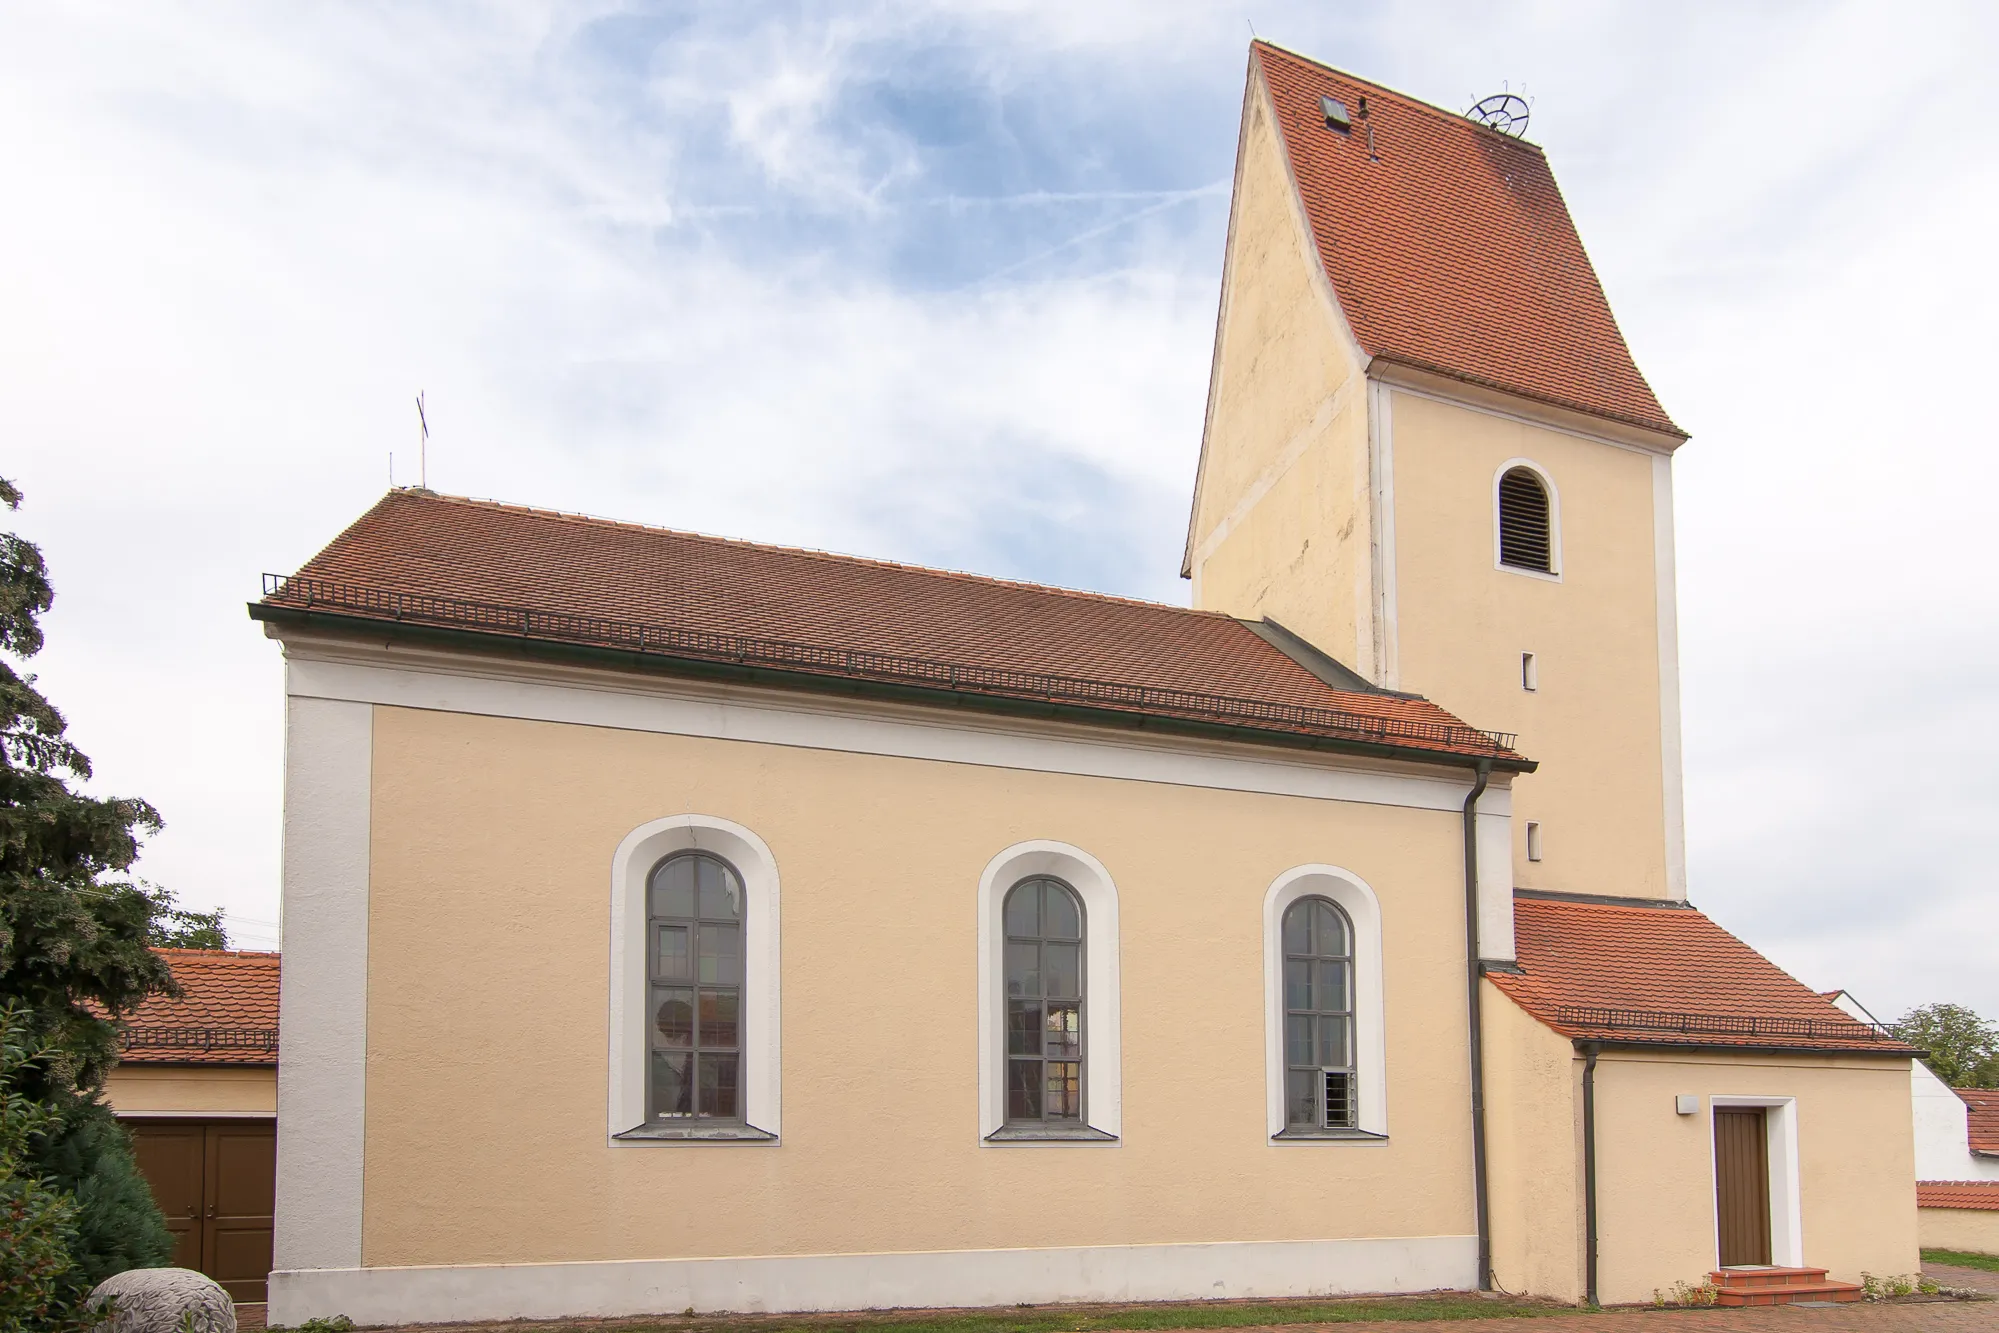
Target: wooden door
[170,1157]
[241,1192]
[1742,1185]
[215,1181]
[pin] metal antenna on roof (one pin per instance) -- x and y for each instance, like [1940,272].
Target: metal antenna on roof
[1252,27]
[422,446]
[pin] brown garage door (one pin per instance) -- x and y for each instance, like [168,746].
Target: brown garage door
[215,1180]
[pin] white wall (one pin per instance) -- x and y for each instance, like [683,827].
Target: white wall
[1943,1132]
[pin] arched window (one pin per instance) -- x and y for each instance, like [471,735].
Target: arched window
[1044,1003]
[1319,1091]
[1526,530]
[694,969]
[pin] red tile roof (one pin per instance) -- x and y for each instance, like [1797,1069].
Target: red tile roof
[227,1013]
[1633,973]
[493,569]
[1982,1119]
[1982,1195]
[1453,252]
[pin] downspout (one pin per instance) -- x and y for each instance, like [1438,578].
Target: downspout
[1589,1171]
[1473,976]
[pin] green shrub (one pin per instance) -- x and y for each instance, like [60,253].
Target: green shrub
[42,1286]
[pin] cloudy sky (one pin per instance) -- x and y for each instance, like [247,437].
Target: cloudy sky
[937,282]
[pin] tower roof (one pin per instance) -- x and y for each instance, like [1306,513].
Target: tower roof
[1450,248]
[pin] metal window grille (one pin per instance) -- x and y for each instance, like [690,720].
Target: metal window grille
[1320,1090]
[1525,541]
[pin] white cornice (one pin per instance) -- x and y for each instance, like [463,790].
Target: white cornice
[1515,407]
[403,677]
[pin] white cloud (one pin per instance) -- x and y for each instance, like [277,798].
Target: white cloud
[683,266]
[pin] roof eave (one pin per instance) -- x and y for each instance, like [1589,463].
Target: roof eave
[660,663]
[1405,372]
[1752,1048]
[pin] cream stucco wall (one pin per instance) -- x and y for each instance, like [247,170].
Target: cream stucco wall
[1281,524]
[1973,1229]
[138,1090]
[1594,724]
[1655,1168]
[1533,1153]
[488,907]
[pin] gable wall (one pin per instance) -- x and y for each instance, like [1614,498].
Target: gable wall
[1281,525]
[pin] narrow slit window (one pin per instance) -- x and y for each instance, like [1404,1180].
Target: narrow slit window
[1530,675]
[1526,540]
[1533,841]
[1319,1088]
[694,972]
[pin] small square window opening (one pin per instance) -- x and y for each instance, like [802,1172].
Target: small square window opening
[1533,841]
[1530,675]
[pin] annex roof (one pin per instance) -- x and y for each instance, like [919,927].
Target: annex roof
[227,1013]
[482,570]
[1982,1119]
[1634,972]
[1981,1195]
[1450,248]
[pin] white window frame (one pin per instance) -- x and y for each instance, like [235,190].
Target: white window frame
[1103,1077]
[1363,910]
[631,866]
[1787,1216]
[1554,573]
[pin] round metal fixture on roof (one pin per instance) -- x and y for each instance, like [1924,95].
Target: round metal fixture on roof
[1505,112]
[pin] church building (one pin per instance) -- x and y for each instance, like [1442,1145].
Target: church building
[677,922]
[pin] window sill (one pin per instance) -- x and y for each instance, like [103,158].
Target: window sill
[1328,1136]
[1049,1134]
[696,1134]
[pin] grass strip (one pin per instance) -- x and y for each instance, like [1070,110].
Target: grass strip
[1963,1259]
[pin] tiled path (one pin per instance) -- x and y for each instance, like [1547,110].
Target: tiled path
[1886,1317]
[1975,1278]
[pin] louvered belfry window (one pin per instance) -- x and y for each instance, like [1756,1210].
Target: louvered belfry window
[1525,541]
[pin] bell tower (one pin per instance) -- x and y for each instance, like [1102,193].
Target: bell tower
[1428,451]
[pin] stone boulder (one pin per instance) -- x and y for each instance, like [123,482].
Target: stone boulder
[165,1300]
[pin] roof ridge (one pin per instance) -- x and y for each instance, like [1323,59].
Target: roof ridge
[186,951]
[807,552]
[1409,100]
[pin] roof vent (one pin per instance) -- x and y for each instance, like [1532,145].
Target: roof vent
[1335,112]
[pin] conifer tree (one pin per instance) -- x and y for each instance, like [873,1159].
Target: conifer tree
[73,940]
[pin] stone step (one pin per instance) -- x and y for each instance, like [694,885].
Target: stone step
[1761,1277]
[1789,1295]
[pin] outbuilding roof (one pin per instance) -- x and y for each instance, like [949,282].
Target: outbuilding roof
[1449,246]
[226,1014]
[1639,972]
[1982,1119]
[1981,1195]
[496,575]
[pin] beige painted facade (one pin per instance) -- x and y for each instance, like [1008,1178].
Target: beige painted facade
[192,1090]
[1361,514]
[1593,722]
[487,997]
[1850,1173]
[1534,1164]
[1972,1229]
[1281,524]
